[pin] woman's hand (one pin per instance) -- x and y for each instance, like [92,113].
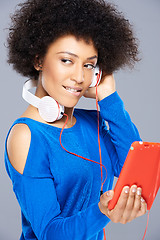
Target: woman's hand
[106,87]
[130,205]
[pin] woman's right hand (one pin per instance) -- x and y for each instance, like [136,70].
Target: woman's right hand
[130,205]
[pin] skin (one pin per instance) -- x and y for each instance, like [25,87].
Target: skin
[70,63]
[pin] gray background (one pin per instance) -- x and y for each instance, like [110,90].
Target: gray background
[138,88]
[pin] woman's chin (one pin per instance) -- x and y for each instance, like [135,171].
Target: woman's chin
[69,104]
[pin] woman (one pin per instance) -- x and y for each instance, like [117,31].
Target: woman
[59,43]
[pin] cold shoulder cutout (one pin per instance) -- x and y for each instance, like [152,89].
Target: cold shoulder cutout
[18,144]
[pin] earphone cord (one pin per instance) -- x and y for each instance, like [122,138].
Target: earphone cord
[100,163]
[100,155]
[146,225]
[60,139]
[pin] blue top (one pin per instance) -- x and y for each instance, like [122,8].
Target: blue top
[58,192]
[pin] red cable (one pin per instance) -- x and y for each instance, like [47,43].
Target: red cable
[104,234]
[75,153]
[146,225]
[100,163]
[100,155]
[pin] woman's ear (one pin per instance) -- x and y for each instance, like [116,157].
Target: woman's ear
[38,63]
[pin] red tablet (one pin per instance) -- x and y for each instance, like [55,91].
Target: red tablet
[142,168]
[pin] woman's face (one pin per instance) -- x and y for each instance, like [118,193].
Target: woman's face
[68,69]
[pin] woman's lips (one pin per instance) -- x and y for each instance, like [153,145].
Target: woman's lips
[76,91]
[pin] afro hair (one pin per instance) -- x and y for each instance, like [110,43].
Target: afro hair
[38,23]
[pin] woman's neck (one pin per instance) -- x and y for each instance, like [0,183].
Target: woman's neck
[71,119]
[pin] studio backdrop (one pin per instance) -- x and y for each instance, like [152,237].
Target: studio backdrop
[139,89]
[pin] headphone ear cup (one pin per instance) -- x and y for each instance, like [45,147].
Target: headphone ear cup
[96,77]
[49,109]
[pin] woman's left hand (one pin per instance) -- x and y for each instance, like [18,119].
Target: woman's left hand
[130,205]
[106,87]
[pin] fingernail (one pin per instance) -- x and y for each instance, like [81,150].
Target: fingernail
[138,192]
[126,190]
[142,199]
[108,194]
[134,189]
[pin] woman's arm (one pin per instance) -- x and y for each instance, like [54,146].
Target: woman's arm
[118,139]
[122,132]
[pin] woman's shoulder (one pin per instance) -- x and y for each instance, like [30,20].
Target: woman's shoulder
[24,130]
[18,143]
[26,148]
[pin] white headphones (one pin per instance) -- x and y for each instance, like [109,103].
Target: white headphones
[49,109]
[96,77]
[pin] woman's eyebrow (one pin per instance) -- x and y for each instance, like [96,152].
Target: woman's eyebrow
[72,54]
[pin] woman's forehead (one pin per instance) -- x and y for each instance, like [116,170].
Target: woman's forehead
[69,43]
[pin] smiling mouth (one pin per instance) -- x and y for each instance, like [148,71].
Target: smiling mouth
[74,90]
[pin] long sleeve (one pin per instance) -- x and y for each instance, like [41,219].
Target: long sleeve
[38,201]
[122,131]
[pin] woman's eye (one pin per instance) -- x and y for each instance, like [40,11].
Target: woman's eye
[89,66]
[67,61]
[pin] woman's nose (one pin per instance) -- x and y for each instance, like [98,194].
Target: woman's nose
[78,74]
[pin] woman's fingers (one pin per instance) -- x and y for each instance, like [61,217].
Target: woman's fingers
[130,204]
[104,200]
[140,206]
[90,93]
[106,87]
[143,209]
[137,203]
[118,211]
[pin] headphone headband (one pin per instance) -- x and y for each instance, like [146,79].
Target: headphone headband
[28,96]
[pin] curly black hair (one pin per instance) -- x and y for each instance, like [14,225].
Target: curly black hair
[37,23]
